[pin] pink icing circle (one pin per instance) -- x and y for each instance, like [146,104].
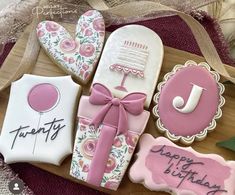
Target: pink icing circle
[89,147]
[43,97]
[68,45]
[180,84]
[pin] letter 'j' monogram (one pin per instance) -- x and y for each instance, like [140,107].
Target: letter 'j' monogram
[192,102]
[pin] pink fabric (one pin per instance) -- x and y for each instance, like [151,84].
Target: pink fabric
[114,111]
[101,155]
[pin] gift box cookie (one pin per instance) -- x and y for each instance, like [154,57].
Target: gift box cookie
[131,61]
[107,133]
[39,120]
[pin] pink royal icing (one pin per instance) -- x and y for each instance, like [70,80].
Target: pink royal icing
[184,170]
[180,85]
[113,117]
[43,97]
[188,102]
[164,166]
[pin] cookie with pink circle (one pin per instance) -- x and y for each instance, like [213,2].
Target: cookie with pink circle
[188,102]
[131,61]
[76,56]
[39,120]
[163,166]
[107,133]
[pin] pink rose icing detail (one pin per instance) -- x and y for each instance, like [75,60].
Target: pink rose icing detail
[111,164]
[40,33]
[117,142]
[131,139]
[52,26]
[88,32]
[130,150]
[89,146]
[87,50]
[99,25]
[86,74]
[85,168]
[71,60]
[85,67]
[111,185]
[68,45]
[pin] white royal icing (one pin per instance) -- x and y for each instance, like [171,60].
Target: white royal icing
[192,102]
[39,120]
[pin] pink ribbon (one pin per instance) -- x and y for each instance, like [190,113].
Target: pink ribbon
[132,103]
[113,117]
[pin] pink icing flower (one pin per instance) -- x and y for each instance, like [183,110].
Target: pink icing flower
[40,33]
[71,60]
[113,185]
[89,146]
[88,32]
[85,67]
[86,74]
[117,142]
[130,150]
[98,24]
[87,50]
[111,164]
[81,72]
[68,45]
[89,13]
[85,25]
[85,168]
[52,26]
[131,139]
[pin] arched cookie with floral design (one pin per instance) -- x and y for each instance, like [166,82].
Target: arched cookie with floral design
[78,57]
[188,102]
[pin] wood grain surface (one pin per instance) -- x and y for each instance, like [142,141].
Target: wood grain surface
[45,67]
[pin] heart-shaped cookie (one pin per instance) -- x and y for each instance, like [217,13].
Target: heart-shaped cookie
[77,56]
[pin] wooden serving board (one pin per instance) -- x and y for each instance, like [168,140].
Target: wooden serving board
[45,67]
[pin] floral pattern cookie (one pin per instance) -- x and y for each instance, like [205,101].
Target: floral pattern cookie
[77,57]
[119,158]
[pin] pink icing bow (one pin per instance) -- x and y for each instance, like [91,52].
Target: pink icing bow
[113,116]
[132,103]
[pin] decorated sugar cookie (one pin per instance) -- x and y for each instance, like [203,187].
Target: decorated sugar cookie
[77,56]
[107,133]
[131,61]
[188,102]
[164,166]
[39,120]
